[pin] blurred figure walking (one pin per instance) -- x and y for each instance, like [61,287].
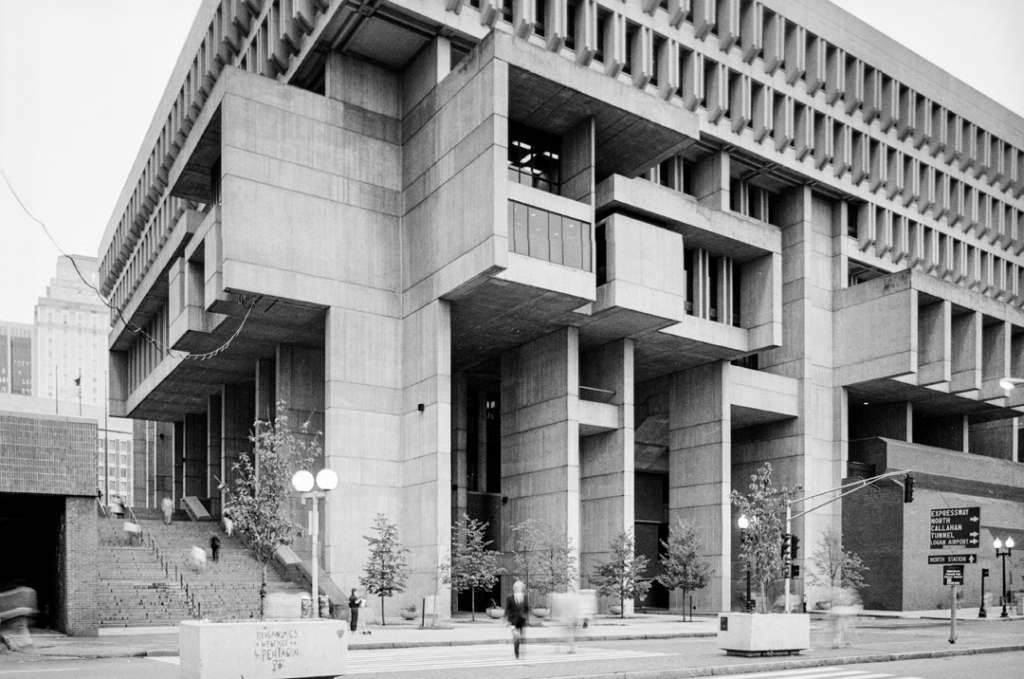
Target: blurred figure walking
[167,507]
[517,612]
[215,548]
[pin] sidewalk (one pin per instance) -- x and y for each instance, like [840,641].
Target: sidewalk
[883,637]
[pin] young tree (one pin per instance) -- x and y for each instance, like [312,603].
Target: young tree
[765,508]
[543,558]
[386,567]
[622,576]
[257,497]
[473,565]
[683,566]
[834,567]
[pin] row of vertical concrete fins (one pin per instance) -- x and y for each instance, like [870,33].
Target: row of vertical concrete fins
[937,335]
[950,166]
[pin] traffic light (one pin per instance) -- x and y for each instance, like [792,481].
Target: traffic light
[794,549]
[908,488]
[794,571]
[787,550]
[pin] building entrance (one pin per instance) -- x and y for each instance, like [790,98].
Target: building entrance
[30,525]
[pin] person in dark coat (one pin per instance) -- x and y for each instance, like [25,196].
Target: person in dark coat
[517,612]
[215,547]
[354,602]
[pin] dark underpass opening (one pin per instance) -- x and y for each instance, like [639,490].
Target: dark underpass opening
[30,529]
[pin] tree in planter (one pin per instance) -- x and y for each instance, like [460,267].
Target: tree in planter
[836,568]
[765,508]
[473,565]
[622,576]
[543,558]
[386,567]
[683,567]
[257,497]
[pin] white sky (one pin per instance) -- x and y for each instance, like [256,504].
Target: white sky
[80,80]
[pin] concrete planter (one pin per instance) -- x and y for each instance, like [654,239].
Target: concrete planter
[495,612]
[278,649]
[764,633]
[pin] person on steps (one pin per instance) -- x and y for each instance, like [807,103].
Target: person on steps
[215,548]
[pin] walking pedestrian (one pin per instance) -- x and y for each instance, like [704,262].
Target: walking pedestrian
[354,604]
[167,507]
[517,612]
[215,548]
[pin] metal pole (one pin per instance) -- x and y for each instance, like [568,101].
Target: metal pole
[981,610]
[952,614]
[314,532]
[1004,614]
[789,530]
[746,602]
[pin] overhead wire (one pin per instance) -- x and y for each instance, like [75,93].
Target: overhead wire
[132,327]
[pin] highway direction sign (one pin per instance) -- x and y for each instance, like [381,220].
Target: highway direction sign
[953,575]
[955,527]
[952,558]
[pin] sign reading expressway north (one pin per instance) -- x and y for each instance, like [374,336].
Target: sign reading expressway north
[955,527]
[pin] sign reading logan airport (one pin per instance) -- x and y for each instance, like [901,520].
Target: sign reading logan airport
[955,527]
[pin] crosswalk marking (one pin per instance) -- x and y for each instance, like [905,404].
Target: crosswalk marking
[829,672]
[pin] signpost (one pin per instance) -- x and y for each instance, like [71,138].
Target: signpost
[955,527]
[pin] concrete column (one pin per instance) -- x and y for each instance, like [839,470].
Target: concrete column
[460,452]
[711,180]
[362,436]
[214,454]
[578,162]
[606,459]
[166,457]
[194,456]
[699,470]
[426,448]
[540,472]
[265,398]
[236,423]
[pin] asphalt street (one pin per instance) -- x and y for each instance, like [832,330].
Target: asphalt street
[540,660]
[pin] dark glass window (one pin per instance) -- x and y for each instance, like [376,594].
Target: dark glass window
[533,158]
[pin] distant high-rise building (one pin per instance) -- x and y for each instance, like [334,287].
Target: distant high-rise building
[15,358]
[70,333]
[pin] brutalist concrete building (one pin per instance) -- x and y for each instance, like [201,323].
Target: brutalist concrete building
[587,261]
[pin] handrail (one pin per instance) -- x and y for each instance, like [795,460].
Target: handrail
[103,509]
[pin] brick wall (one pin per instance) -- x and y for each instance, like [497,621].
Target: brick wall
[47,454]
[873,528]
[76,567]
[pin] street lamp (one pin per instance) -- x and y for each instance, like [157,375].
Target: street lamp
[744,523]
[1009,383]
[302,481]
[1003,554]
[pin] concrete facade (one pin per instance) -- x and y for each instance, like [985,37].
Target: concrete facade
[583,261]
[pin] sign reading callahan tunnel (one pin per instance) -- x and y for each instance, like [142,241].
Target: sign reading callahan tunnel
[955,527]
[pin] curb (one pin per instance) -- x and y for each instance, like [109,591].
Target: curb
[373,646]
[802,663]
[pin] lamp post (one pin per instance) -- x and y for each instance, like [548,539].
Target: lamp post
[302,481]
[744,523]
[1003,554]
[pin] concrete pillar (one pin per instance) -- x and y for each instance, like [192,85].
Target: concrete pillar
[77,549]
[460,452]
[426,448]
[236,423]
[265,399]
[214,454]
[606,459]
[578,162]
[699,470]
[711,180]
[194,456]
[540,460]
[362,434]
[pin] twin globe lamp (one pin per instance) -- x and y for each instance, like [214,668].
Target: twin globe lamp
[303,481]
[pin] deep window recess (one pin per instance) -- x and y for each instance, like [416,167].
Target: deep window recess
[858,273]
[533,158]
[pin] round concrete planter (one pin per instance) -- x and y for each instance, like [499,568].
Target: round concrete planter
[614,609]
[495,612]
[540,612]
[408,614]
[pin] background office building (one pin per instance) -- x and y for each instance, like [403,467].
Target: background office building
[587,261]
[15,358]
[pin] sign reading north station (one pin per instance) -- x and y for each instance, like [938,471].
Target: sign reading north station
[955,527]
[952,558]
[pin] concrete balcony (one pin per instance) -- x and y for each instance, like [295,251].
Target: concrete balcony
[911,336]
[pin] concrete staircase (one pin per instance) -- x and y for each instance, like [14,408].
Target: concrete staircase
[225,590]
[132,588]
[152,583]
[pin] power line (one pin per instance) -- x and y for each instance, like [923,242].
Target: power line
[131,327]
